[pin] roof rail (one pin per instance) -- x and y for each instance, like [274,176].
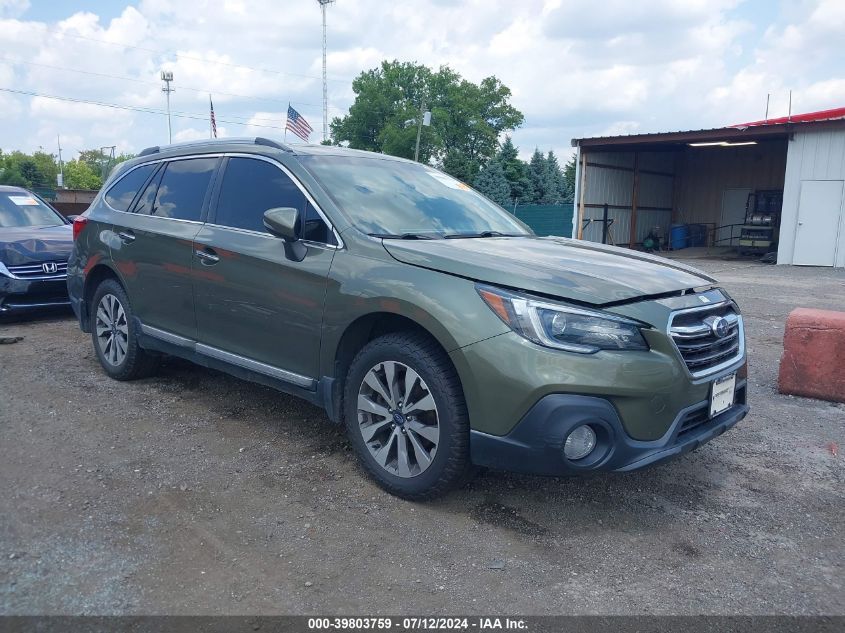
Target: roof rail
[258,140]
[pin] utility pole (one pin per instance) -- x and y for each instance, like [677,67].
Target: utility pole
[323,5]
[423,119]
[61,181]
[105,165]
[167,77]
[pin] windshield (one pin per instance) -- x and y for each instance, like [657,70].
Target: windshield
[390,198]
[19,208]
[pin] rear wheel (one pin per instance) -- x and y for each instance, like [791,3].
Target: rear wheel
[406,416]
[115,335]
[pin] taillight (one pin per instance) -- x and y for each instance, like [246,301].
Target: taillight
[79,223]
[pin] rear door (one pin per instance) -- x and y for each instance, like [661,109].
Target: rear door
[255,307]
[154,246]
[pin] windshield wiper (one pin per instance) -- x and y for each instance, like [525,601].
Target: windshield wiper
[401,236]
[454,236]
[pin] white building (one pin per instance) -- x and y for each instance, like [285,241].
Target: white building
[703,178]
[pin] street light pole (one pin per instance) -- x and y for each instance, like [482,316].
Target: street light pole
[167,77]
[323,4]
[424,119]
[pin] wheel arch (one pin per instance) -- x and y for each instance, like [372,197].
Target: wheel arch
[357,334]
[93,279]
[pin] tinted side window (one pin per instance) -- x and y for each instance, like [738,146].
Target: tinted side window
[183,187]
[251,186]
[120,195]
[147,199]
[314,228]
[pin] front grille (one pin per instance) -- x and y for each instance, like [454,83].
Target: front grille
[703,349]
[37,271]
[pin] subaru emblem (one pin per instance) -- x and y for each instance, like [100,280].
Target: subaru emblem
[719,327]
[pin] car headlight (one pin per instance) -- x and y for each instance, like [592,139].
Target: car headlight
[4,271]
[563,327]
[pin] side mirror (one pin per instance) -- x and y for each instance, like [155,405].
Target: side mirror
[71,218]
[286,223]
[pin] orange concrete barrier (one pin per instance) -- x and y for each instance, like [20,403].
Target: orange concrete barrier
[813,362]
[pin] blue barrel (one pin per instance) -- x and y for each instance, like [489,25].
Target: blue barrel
[678,236]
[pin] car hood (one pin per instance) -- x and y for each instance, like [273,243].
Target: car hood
[571,269]
[31,244]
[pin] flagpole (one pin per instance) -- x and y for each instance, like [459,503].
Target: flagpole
[210,110]
[285,137]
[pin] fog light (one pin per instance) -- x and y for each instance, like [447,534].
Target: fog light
[580,442]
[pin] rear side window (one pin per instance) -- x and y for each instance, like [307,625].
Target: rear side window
[122,193]
[146,200]
[251,186]
[182,189]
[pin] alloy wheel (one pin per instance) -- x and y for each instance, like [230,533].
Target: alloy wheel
[112,329]
[398,419]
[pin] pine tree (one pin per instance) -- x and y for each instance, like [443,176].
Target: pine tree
[553,192]
[516,171]
[537,174]
[491,182]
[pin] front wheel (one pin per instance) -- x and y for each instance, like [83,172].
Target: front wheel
[406,416]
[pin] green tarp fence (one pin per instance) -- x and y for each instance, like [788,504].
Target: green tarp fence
[547,219]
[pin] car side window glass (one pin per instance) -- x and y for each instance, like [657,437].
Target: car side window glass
[250,187]
[314,228]
[147,199]
[182,189]
[122,193]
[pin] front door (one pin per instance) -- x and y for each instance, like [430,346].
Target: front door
[154,246]
[819,219]
[255,307]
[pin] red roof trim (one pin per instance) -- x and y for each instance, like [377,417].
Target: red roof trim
[821,115]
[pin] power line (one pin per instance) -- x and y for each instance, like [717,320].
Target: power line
[194,58]
[148,82]
[141,109]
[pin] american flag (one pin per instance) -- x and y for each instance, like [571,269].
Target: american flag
[297,124]
[213,120]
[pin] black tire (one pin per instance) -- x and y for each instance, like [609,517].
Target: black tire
[136,362]
[450,465]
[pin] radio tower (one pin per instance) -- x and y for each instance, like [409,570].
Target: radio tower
[323,4]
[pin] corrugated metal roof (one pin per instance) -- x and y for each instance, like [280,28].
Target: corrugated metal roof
[756,129]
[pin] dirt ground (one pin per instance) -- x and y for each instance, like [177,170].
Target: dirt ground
[196,493]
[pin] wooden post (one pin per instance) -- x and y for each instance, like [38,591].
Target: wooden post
[580,233]
[635,191]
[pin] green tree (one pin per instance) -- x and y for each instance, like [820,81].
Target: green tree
[516,171]
[492,182]
[537,173]
[467,118]
[11,176]
[569,177]
[36,170]
[553,193]
[80,175]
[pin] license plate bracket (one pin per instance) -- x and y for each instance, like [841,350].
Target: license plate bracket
[722,394]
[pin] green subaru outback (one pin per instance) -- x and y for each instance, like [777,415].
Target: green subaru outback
[424,317]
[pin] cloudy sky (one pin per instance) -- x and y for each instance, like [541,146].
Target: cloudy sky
[576,67]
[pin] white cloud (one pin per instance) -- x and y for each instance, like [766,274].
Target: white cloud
[13,8]
[575,67]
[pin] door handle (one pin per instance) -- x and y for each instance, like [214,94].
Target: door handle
[207,257]
[127,237]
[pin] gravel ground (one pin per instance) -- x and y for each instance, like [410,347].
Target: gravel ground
[196,493]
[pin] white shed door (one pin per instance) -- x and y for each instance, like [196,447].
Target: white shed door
[819,211]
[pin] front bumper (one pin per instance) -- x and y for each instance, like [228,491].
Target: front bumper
[535,445]
[27,295]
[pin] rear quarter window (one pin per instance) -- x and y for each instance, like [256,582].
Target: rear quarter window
[121,194]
